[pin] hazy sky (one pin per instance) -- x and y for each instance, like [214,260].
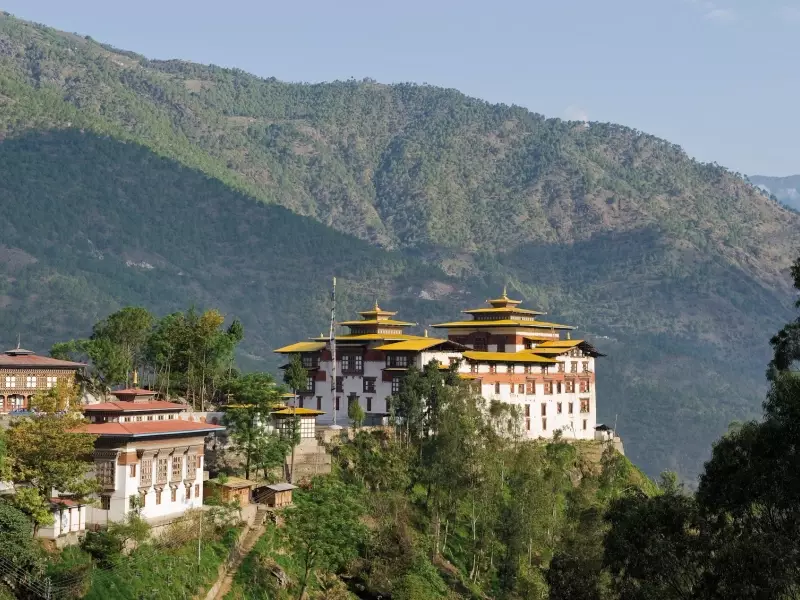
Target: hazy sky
[720,78]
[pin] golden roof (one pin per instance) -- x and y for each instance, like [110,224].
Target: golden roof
[301,347]
[511,309]
[372,337]
[378,322]
[548,351]
[559,344]
[413,345]
[300,412]
[507,357]
[505,323]
[376,312]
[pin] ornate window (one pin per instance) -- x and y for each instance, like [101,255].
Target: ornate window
[11,381]
[530,387]
[309,383]
[30,381]
[105,473]
[497,387]
[586,366]
[573,367]
[161,470]
[369,385]
[177,467]
[548,387]
[132,470]
[191,466]
[396,385]
[584,405]
[51,381]
[146,478]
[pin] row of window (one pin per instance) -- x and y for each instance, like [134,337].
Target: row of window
[133,419]
[31,381]
[106,470]
[337,403]
[550,387]
[584,406]
[529,369]
[544,424]
[105,500]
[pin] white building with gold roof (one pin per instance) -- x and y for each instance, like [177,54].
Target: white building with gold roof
[371,359]
[516,358]
[508,353]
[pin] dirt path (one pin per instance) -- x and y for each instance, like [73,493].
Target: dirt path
[247,545]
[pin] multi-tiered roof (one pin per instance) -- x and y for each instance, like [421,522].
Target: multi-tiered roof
[375,325]
[503,312]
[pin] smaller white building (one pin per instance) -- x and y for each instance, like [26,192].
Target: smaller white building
[147,457]
[69,522]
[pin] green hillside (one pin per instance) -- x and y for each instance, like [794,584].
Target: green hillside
[112,163]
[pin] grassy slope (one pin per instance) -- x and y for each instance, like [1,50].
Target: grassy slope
[676,269]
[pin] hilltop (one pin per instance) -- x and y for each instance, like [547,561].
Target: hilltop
[785,189]
[130,180]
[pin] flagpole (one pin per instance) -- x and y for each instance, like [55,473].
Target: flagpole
[332,339]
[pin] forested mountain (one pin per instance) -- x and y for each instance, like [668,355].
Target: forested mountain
[165,183]
[785,189]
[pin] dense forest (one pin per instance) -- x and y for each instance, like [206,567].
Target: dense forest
[126,180]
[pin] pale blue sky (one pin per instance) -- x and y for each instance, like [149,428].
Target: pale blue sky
[720,78]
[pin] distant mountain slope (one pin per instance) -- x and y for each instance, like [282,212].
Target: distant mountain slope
[785,189]
[112,163]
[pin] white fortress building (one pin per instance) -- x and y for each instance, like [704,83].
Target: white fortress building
[507,353]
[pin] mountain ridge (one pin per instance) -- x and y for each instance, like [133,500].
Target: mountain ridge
[682,265]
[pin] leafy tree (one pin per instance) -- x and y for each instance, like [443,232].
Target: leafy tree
[296,377]
[324,528]
[16,540]
[253,396]
[48,452]
[654,548]
[355,413]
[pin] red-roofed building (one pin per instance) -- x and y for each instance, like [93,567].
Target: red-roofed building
[23,373]
[146,456]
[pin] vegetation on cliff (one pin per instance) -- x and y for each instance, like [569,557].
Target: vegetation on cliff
[132,181]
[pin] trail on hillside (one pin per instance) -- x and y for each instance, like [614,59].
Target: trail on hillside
[247,546]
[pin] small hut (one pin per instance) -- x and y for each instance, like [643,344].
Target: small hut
[230,489]
[278,495]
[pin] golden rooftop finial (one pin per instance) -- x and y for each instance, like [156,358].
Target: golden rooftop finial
[505,291]
[376,307]
[426,333]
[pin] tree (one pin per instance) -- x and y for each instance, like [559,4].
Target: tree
[355,413]
[324,528]
[654,548]
[16,541]
[47,451]
[252,398]
[118,343]
[296,377]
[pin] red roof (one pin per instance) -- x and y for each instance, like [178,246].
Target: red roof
[134,406]
[134,392]
[34,360]
[65,502]
[147,428]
